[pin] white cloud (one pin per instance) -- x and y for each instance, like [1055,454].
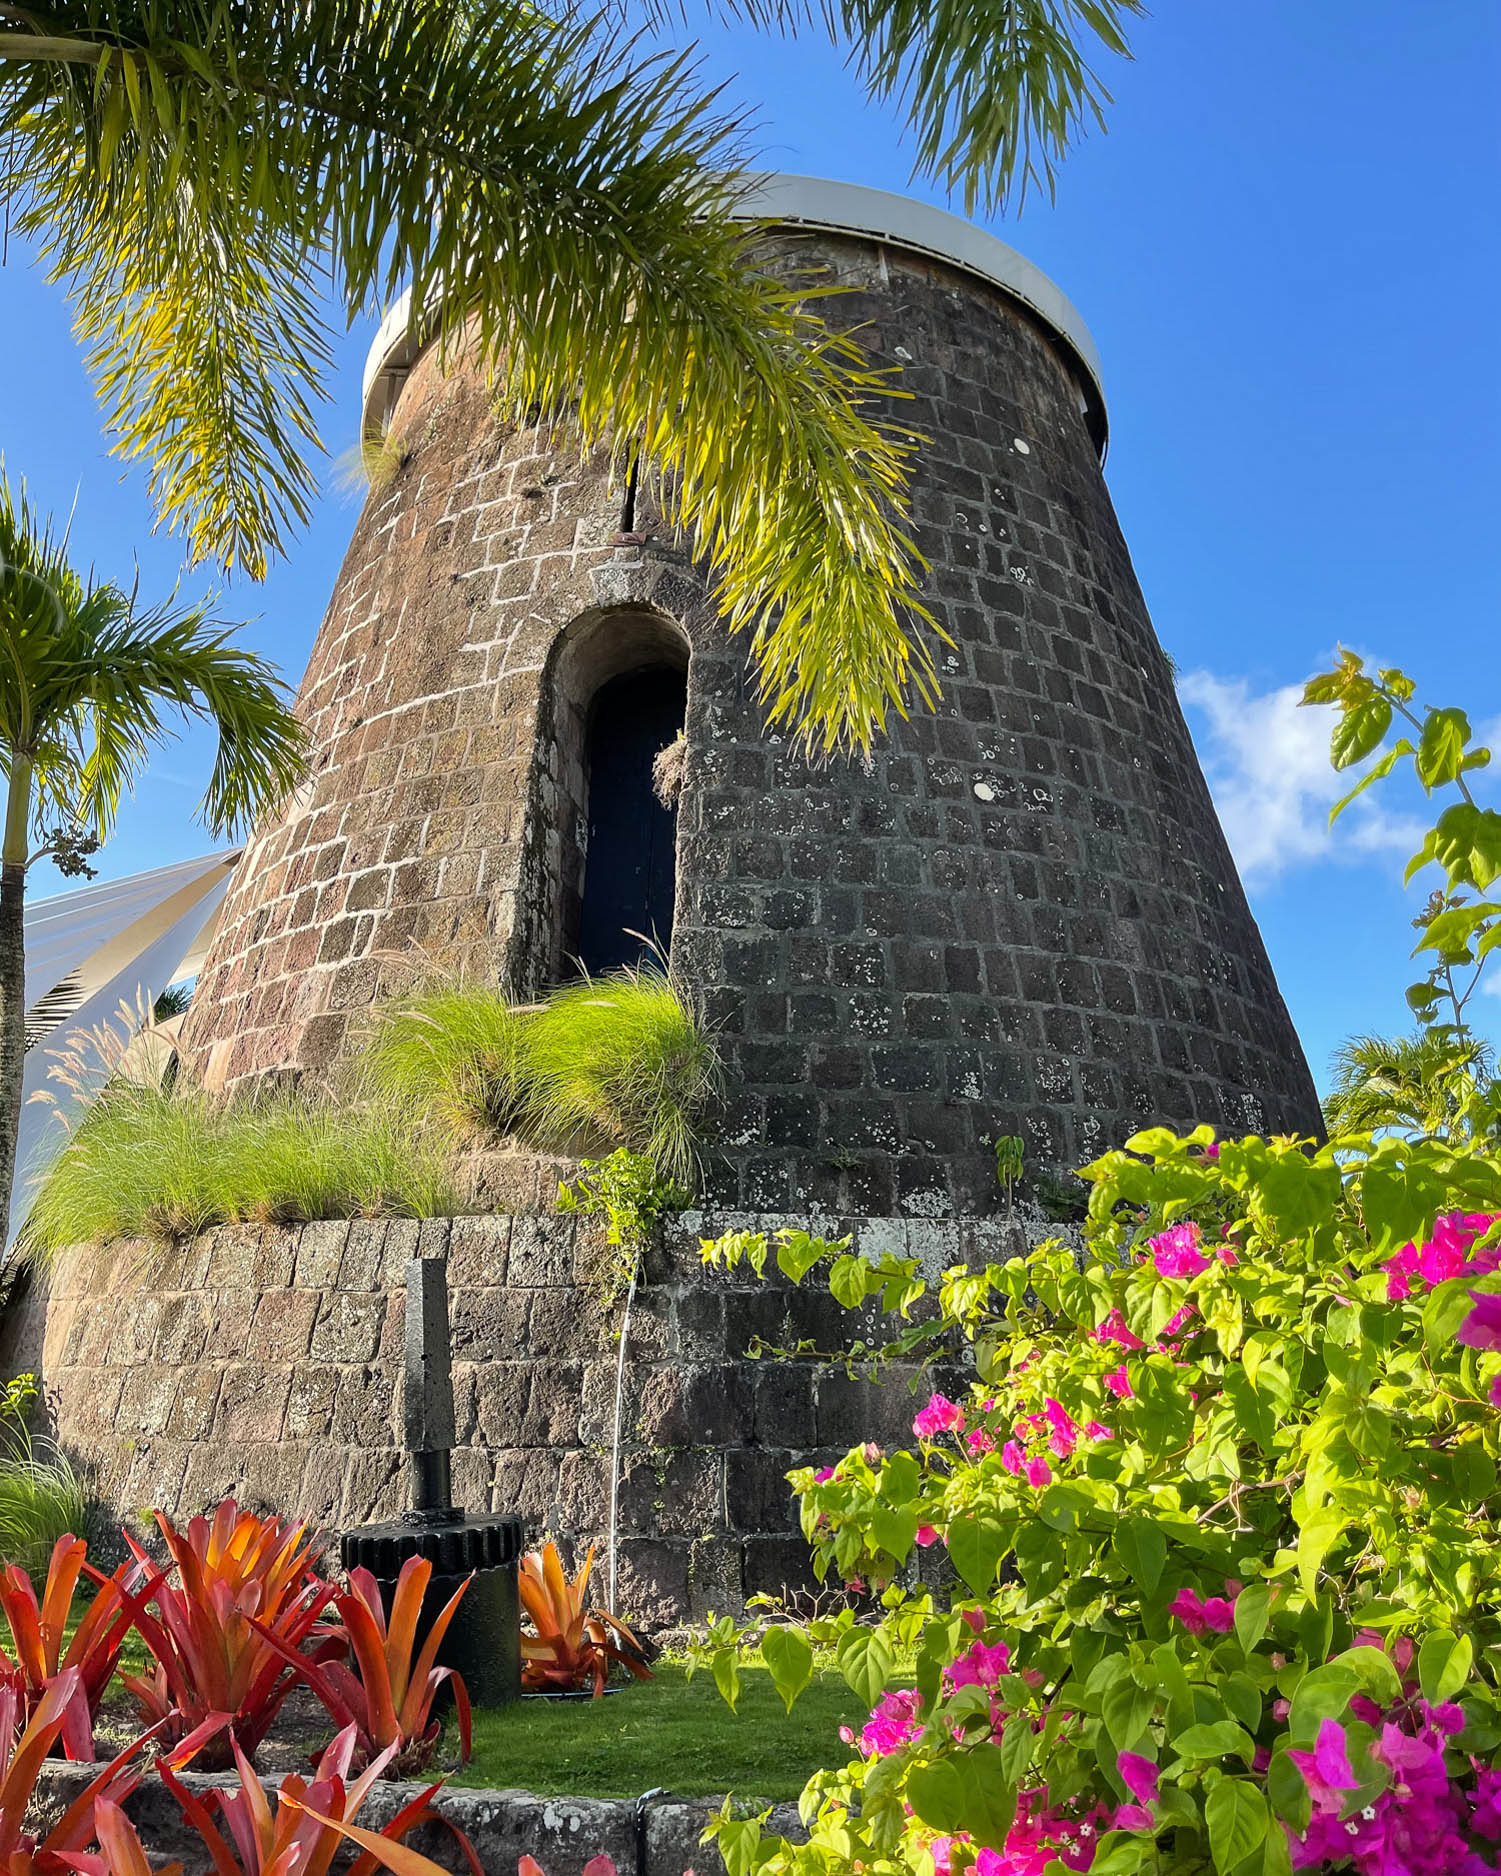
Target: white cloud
[1266,760]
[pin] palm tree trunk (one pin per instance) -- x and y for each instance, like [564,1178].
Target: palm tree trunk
[13,856]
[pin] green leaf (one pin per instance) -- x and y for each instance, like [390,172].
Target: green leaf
[1140,1547]
[1119,1852]
[966,1792]
[865,1662]
[976,1546]
[1317,1536]
[1442,746]
[1040,1556]
[1236,1813]
[1322,1694]
[797,1253]
[1214,1741]
[848,1280]
[1288,1790]
[1359,730]
[789,1659]
[726,1669]
[1254,1415]
[1378,1676]
[1467,843]
[1253,1609]
[1444,1663]
[1376,773]
[893,1530]
[1243,1697]
[1126,1709]
[901,1478]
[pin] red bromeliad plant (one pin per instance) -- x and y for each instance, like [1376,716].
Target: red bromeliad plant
[37,1631]
[573,1645]
[246,1602]
[299,1836]
[385,1696]
[24,1746]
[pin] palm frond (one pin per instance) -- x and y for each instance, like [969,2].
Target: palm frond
[552,197]
[1413,1084]
[89,683]
[996,91]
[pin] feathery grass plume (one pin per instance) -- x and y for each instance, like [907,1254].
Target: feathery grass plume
[623,1056]
[453,1052]
[147,1163]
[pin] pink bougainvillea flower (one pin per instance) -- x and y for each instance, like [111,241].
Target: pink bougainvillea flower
[1039,1472]
[893,1724]
[1212,1151]
[979,1441]
[981,1665]
[1444,1255]
[1197,1615]
[1485,1820]
[1175,1322]
[1326,1770]
[1176,1253]
[1400,1271]
[941,1415]
[1114,1329]
[1132,1817]
[1493,1394]
[1012,1457]
[1138,1775]
[1119,1382]
[1096,1431]
[1063,1429]
[1226,1255]
[927,1537]
[1447,1717]
[826,1473]
[975,1618]
[1482,1327]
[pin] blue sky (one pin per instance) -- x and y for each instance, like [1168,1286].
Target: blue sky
[1287,250]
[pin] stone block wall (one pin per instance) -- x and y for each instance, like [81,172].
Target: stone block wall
[1019,915]
[265,1361]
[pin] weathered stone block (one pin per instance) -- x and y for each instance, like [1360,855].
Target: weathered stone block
[253,1403]
[348,1327]
[284,1324]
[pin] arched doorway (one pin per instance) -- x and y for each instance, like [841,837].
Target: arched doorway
[630,872]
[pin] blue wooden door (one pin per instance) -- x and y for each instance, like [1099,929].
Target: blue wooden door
[630,871]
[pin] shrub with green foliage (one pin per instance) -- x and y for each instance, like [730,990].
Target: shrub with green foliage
[144,1162]
[41,1496]
[1220,1505]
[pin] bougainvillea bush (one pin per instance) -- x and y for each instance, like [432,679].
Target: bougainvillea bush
[1220,1508]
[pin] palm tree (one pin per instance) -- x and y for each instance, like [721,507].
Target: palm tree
[200,176]
[87,682]
[1438,1081]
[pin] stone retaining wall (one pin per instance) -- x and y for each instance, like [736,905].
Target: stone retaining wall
[658,1837]
[264,1361]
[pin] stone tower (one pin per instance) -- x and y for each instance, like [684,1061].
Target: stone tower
[1020,916]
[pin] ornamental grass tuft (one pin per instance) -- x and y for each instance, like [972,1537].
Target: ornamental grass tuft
[623,1056]
[621,1059]
[455,1052]
[145,1162]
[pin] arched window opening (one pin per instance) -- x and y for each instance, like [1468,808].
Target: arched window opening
[630,853]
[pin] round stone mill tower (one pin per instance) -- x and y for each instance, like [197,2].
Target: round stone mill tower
[1018,917]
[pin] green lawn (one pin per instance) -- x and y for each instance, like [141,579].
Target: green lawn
[669,1732]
